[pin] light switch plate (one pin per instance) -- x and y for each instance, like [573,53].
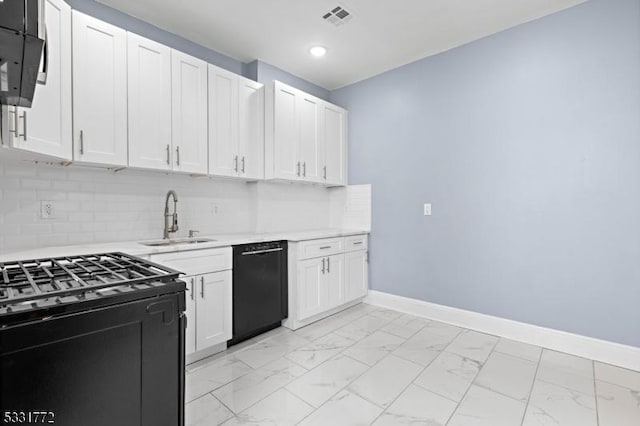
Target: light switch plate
[427,209]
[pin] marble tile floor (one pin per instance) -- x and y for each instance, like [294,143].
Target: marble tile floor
[372,366]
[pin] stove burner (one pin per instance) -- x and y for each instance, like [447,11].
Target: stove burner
[80,276]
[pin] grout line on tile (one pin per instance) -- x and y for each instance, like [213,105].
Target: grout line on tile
[526,408]
[384,409]
[223,404]
[341,389]
[474,379]
[595,392]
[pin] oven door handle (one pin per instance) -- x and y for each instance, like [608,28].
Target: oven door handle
[249,253]
[165,308]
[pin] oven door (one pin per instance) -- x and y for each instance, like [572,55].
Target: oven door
[119,365]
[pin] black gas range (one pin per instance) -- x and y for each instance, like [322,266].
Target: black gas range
[91,340]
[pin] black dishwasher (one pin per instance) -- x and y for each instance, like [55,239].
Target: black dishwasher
[260,293]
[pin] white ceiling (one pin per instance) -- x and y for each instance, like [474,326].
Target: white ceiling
[383,34]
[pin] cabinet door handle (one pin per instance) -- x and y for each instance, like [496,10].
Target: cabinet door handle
[177,155]
[243,163]
[236,162]
[325,172]
[304,169]
[328,265]
[168,155]
[15,121]
[81,142]
[298,173]
[202,287]
[193,287]
[24,125]
[323,265]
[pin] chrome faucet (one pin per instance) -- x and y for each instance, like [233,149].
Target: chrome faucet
[170,220]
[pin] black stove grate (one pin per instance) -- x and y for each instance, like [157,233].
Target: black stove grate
[73,275]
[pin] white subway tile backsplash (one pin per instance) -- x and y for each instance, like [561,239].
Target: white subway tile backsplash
[95,205]
[35,184]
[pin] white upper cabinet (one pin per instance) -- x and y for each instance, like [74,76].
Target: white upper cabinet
[334,169]
[149,91]
[99,91]
[306,137]
[282,147]
[310,137]
[189,116]
[251,128]
[236,125]
[224,158]
[45,128]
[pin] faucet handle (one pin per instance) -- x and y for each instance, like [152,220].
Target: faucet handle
[192,233]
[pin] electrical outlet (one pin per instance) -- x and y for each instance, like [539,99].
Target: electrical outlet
[47,210]
[427,209]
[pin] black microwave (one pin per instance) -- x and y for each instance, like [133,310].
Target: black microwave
[22,40]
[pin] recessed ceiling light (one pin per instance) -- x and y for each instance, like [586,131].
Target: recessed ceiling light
[318,51]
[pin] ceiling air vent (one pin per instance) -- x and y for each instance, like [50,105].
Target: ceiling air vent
[337,16]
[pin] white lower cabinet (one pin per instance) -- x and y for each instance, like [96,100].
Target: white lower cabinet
[311,288]
[213,309]
[190,340]
[325,276]
[209,298]
[356,266]
[335,273]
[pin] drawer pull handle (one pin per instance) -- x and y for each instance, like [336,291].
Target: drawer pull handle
[325,247]
[357,243]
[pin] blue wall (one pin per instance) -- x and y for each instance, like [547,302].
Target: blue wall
[528,145]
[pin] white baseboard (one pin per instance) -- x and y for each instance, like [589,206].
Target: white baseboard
[586,347]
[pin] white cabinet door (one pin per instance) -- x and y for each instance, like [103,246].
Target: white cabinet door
[356,275]
[190,344]
[223,123]
[310,138]
[286,135]
[214,309]
[99,91]
[189,117]
[45,128]
[149,91]
[335,145]
[251,128]
[335,281]
[312,288]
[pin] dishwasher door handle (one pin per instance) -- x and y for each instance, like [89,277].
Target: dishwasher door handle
[249,253]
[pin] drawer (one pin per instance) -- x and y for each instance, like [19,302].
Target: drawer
[320,248]
[197,262]
[356,242]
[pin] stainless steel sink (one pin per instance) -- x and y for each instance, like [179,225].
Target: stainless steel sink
[176,242]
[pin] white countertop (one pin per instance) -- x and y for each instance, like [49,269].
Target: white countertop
[135,248]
